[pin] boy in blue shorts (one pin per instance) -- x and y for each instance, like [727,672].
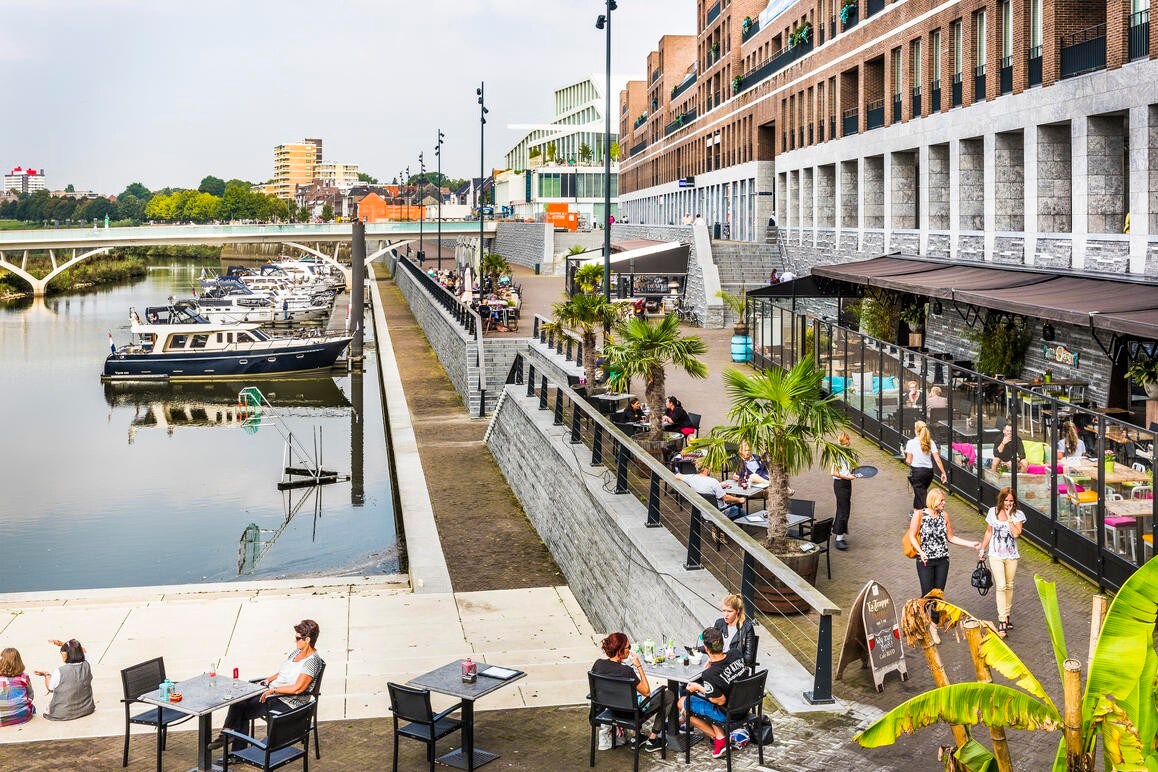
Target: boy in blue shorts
[704,701]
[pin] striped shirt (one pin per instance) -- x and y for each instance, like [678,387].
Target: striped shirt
[16,700]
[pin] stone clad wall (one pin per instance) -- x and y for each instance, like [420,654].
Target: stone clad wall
[526,243]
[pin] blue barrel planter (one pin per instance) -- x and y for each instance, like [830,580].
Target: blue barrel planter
[741,348]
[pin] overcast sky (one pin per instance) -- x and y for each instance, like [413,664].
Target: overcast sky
[102,93]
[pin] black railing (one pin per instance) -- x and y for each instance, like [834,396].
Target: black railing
[820,34]
[713,13]
[873,7]
[1140,35]
[785,57]
[832,128]
[956,92]
[896,108]
[820,131]
[1069,529]
[689,116]
[752,29]
[849,122]
[654,76]
[979,83]
[639,147]
[1035,66]
[850,20]
[681,88]
[1084,51]
[810,141]
[1007,75]
[935,96]
[875,114]
[917,102]
[832,27]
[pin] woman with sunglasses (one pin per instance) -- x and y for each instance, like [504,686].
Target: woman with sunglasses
[286,689]
[935,533]
[1003,528]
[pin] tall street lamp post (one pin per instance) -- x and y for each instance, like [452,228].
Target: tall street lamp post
[482,117]
[421,207]
[604,23]
[438,155]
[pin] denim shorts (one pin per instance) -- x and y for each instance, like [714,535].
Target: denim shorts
[699,706]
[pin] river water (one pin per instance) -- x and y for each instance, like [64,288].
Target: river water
[109,485]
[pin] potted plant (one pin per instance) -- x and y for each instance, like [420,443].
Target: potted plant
[847,10]
[1145,374]
[494,265]
[1001,345]
[741,341]
[791,425]
[586,314]
[736,81]
[715,49]
[535,158]
[913,315]
[746,25]
[680,119]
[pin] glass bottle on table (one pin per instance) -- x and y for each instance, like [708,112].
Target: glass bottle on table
[212,674]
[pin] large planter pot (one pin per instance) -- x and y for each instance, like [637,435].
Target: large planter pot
[916,339]
[773,596]
[660,450]
[741,346]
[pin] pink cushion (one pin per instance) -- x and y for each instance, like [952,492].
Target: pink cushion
[688,431]
[966,450]
[1037,469]
[1062,490]
[1117,522]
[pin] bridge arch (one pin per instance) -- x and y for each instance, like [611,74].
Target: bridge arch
[40,286]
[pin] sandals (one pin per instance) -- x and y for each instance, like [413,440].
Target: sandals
[1002,627]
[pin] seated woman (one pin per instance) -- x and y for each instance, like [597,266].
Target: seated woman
[15,690]
[1004,449]
[913,395]
[751,469]
[675,418]
[737,630]
[632,413]
[618,648]
[1070,449]
[70,684]
[287,687]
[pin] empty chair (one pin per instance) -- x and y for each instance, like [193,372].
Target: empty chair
[613,704]
[821,533]
[283,732]
[425,725]
[745,703]
[141,679]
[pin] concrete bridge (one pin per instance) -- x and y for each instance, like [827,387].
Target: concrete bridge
[79,244]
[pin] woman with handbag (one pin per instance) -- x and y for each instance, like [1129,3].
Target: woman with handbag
[1003,528]
[931,532]
[920,454]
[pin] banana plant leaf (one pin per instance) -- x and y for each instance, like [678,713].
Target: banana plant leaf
[964,704]
[1000,657]
[1047,594]
[975,757]
[1120,742]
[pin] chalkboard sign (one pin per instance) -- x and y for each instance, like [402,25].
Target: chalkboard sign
[874,636]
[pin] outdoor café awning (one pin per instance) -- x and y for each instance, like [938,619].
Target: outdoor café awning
[1105,303]
[663,258]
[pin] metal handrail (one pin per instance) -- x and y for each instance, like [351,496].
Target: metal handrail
[540,332]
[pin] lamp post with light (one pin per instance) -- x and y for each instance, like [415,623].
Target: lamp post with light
[438,155]
[421,207]
[480,92]
[604,23]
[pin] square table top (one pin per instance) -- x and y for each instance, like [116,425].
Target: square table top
[1130,507]
[734,488]
[673,670]
[760,519]
[448,680]
[613,396]
[1121,473]
[199,698]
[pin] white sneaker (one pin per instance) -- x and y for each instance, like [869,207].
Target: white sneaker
[604,738]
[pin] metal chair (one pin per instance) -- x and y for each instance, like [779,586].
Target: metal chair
[138,680]
[315,693]
[425,725]
[613,704]
[1083,503]
[821,533]
[745,703]
[283,732]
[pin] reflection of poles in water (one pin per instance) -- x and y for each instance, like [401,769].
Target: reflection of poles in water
[357,486]
[256,541]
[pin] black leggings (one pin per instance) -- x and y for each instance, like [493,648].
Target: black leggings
[932,575]
[920,477]
[843,491]
[241,713]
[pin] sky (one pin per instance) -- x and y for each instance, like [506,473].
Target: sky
[101,93]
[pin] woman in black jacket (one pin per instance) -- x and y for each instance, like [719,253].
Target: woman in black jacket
[737,630]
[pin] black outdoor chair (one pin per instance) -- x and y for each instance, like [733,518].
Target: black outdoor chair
[805,508]
[283,732]
[613,704]
[314,693]
[745,703]
[138,680]
[755,653]
[425,725]
[821,533]
[717,534]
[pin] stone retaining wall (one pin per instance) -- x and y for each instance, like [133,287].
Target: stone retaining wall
[526,243]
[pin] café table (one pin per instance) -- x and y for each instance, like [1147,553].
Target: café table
[448,680]
[1120,474]
[608,402]
[760,520]
[200,696]
[1140,508]
[746,492]
[675,673]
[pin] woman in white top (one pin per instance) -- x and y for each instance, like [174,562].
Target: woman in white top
[1003,528]
[287,688]
[1070,449]
[842,478]
[920,454]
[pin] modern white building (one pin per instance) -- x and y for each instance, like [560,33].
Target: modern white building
[21,180]
[578,121]
[525,195]
[336,175]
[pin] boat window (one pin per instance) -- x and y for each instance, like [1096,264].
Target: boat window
[229,337]
[220,337]
[243,337]
[176,342]
[199,341]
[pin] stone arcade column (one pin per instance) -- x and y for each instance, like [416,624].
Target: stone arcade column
[860,203]
[808,206]
[887,194]
[1008,221]
[1054,197]
[954,195]
[1141,190]
[938,212]
[1079,185]
[989,192]
[850,204]
[923,198]
[1029,191]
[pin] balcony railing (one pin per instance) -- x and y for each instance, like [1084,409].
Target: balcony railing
[831,27]
[956,93]
[896,108]
[917,102]
[979,83]
[810,140]
[1083,51]
[849,122]
[832,128]
[1007,75]
[1035,66]
[1140,35]
[769,68]
[873,7]
[875,114]
[688,117]
[681,88]
[654,76]
[639,121]
[753,28]
[849,20]
[935,96]
[713,13]
[639,147]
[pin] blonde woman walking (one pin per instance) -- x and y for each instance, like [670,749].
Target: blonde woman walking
[920,454]
[1003,528]
[931,529]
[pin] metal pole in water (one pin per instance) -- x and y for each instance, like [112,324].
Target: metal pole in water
[357,290]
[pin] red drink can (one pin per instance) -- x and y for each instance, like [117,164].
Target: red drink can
[235,673]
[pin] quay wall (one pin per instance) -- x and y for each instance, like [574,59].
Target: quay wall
[526,243]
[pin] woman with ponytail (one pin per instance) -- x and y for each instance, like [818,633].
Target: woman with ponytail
[1070,449]
[920,454]
[622,662]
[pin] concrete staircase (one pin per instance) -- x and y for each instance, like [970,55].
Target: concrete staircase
[743,263]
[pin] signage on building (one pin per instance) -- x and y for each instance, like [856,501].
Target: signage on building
[1060,354]
[874,636]
[687,182]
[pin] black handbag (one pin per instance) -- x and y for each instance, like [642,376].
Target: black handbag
[982,578]
[760,730]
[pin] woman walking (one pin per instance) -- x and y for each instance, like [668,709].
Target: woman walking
[842,478]
[920,453]
[1003,528]
[931,530]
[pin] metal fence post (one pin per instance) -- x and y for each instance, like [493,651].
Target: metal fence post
[576,424]
[558,407]
[748,584]
[530,380]
[543,394]
[653,502]
[821,693]
[621,468]
[694,527]
[597,445]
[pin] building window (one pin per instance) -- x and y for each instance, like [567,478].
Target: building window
[897,72]
[958,48]
[1006,29]
[979,29]
[915,69]
[1034,23]
[937,55]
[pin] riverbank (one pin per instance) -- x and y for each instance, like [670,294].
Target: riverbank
[119,265]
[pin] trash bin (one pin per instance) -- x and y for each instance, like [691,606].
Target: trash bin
[716,229]
[537,268]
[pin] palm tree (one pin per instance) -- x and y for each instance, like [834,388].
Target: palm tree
[584,152]
[494,265]
[1117,705]
[585,314]
[641,349]
[783,416]
[588,277]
